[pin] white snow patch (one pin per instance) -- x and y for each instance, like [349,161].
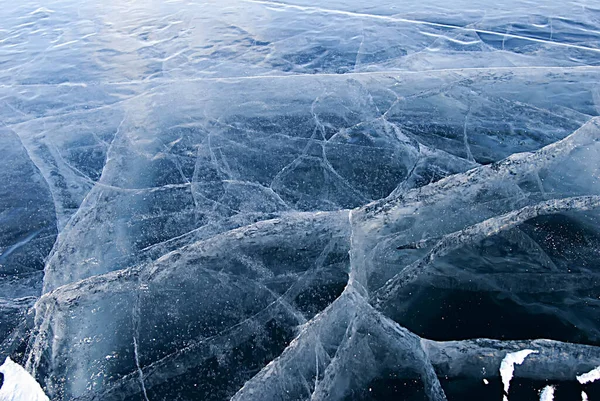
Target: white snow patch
[584,396]
[19,385]
[507,367]
[547,394]
[590,376]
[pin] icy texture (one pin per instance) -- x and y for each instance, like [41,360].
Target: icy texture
[28,230]
[18,385]
[257,200]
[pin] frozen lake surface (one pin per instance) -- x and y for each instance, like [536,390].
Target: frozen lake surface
[301,200]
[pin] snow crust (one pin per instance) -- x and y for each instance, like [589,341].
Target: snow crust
[18,384]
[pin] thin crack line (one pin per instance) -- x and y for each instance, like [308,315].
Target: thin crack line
[139,369]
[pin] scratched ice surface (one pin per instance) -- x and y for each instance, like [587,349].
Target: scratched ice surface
[337,200]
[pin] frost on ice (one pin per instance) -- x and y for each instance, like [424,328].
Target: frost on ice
[507,367]
[547,394]
[258,200]
[590,376]
[18,385]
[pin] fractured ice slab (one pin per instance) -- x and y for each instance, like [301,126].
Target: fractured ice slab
[168,312]
[167,174]
[298,201]
[269,277]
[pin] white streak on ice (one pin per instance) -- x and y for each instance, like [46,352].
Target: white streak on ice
[547,394]
[590,376]
[507,367]
[139,368]
[584,396]
[354,14]
[18,384]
